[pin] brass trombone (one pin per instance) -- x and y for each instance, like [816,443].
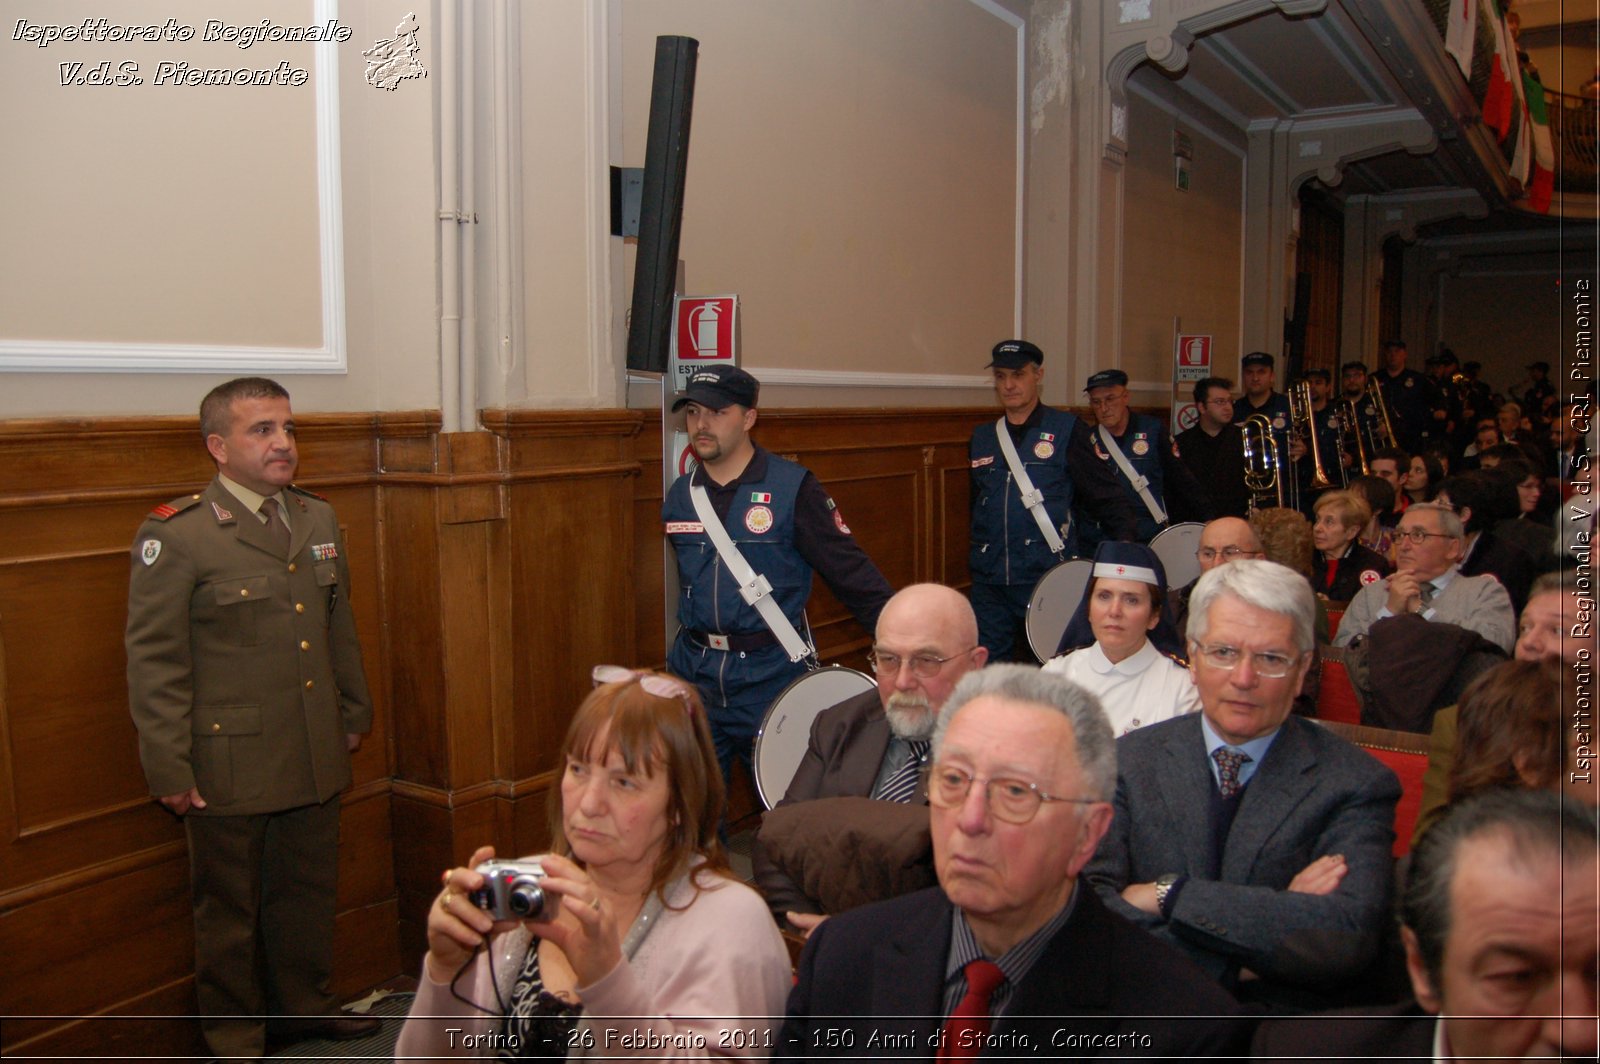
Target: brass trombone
[1384,428]
[1262,475]
[1303,419]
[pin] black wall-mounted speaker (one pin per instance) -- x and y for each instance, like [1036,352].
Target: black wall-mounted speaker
[666,162]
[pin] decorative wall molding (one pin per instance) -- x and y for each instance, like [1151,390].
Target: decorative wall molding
[66,356]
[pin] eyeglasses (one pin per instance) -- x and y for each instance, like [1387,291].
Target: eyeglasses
[1209,554]
[923,666]
[1418,537]
[1269,664]
[1014,801]
[653,683]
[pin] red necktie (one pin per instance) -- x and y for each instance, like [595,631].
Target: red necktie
[966,1026]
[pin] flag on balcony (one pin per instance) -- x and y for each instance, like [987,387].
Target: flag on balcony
[1499,112]
[1461,33]
[1541,181]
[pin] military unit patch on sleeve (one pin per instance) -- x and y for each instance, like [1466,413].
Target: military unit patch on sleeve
[149,551]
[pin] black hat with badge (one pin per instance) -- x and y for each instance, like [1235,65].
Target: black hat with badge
[1014,354]
[1105,379]
[716,387]
[1258,358]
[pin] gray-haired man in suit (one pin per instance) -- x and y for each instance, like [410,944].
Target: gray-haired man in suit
[1256,840]
[926,640]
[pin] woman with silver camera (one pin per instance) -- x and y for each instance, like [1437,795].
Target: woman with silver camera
[637,940]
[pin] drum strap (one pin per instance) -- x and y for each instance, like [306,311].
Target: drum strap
[1140,484]
[1032,498]
[753,587]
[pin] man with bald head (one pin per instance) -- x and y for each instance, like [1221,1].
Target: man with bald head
[872,745]
[1221,541]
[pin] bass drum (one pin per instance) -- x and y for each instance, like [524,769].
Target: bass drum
[1176,546]
[1055,599]
[786,729]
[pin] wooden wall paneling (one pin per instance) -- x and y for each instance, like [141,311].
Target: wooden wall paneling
[158,1021]
[95,913]
[88,949]
[412,587]
[433,832]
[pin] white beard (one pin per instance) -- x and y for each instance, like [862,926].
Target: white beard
[910,716]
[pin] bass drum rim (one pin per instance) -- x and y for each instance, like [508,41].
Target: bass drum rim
[1187,563]
[766,735]
[1036,632]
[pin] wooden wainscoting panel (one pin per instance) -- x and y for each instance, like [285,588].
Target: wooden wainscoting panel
[81,951]
[152,1022]
[571,587]
[411,561]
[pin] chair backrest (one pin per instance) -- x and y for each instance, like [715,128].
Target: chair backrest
[1337,700]
[1406,753]
[1335,615]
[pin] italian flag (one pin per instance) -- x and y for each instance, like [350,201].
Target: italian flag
[1498,109]
[1541,180]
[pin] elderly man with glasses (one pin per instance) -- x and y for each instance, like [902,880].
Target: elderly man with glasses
[1256,840]
[1426,582]
[873,745]
[1008,955]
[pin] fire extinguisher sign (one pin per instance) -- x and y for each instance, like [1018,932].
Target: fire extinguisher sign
[704,330]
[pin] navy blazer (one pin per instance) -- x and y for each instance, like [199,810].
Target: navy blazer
[1313,794]
[871,983]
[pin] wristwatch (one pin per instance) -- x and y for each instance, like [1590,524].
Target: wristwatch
[1164,885]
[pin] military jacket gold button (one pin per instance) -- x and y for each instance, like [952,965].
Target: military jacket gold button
[299,607]
[305,644]
[310,684]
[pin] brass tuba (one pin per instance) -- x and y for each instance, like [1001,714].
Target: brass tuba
[1261,470]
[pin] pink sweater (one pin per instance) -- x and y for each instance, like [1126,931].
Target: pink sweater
[708,980]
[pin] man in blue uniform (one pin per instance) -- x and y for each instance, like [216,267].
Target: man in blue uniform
[1144,459]
[1409,396]
[784,525]
[1258,375]
[1016,541]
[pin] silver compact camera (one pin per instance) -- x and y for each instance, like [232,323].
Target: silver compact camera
[513,890]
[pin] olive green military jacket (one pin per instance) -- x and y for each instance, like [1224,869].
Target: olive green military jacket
[244,671]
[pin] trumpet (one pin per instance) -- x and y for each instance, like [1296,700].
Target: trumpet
[1261,470]
[1303,419]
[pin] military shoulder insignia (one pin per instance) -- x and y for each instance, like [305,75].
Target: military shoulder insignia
[176,506]
[222,514]
[307,492]
[149,551]
[838,520]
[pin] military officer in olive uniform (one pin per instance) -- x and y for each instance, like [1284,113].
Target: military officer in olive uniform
[246,684]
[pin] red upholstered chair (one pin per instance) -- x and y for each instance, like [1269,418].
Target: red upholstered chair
[1406,753]
[1337,700]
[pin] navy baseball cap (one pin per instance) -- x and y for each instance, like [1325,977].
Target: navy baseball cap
[1258,358]
[1014,354]
[716,387]
[1105,378]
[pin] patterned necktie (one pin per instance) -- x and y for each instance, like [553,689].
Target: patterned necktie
[275,525]
[1426,592]
[902,785]
[966,1026]
[1228,761]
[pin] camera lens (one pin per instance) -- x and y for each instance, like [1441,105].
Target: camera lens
[526,901]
